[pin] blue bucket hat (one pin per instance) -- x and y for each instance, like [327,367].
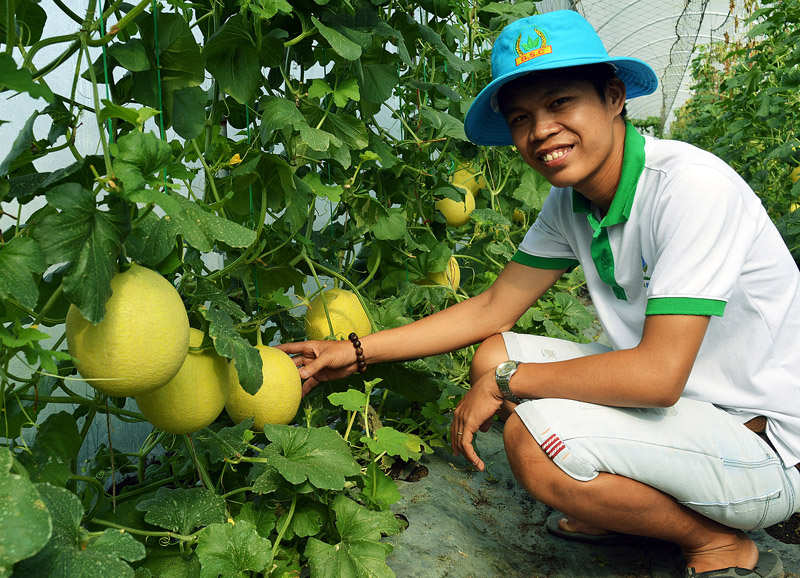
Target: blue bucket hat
[544,42]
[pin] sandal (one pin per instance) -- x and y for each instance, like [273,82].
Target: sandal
[610,539]
[769,566]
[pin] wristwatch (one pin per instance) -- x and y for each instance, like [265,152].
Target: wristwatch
[503,374]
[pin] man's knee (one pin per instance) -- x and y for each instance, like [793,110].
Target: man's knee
[491,353]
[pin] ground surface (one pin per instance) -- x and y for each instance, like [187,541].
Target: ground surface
[469,524]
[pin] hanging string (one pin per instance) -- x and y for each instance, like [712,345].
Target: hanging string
[252,208]
[158,76]
[105,73]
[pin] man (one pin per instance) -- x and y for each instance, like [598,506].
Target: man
[694,287]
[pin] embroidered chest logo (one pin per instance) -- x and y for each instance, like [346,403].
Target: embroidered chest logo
[530,45]
[645,276]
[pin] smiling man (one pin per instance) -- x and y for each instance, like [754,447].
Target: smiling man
[688,428]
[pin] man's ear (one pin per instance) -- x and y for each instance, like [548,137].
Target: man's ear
[615,94]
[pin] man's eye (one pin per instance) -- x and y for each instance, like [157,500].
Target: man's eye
[560,101]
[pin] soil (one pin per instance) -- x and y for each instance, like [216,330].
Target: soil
[787,532]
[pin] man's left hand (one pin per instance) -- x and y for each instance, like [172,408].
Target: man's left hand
[475,412]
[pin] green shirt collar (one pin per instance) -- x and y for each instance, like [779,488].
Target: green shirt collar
[632,167]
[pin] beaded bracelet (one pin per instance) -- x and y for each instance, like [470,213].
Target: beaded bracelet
[360,360]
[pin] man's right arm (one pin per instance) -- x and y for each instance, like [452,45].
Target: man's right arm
[471,321]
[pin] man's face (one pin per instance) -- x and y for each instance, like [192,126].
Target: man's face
[564,130]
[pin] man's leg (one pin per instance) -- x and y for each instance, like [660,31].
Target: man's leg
[609,502]
[623,505]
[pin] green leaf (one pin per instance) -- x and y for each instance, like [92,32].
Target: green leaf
[317,139]
[444,124]
[359,554]
[230,344]
[30,20]
[190,105]
[57,444]
[411,379]
[266,9]
[307,520]
[21,260]
[88,238]
[131,55]
[332,192]
[379,488]
[152,240]
[71,552]
[169,563]
[139,156]
[207,292]
[379,82]
[25,525]
[395,443]
[345,92]
[201,228]
[229,550]
[490,217]
[278,113]
[183,510]
[137,117]
[21,80]
[318,455]
[532,190]
[351,400]
[227,442]
[391,225]
[21,144]
[343,46]
[231,56]
[262,517]
[319,88]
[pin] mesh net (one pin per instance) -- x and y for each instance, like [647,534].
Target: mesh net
[663,33]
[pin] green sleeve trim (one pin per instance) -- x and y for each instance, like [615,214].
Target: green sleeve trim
[684,306]
[543,262]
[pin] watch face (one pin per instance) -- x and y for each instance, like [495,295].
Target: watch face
[505,367]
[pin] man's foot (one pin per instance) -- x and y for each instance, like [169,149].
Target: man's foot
[769,565]
[739,552]
[574,529]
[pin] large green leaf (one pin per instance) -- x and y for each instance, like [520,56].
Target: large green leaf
[20,80]
[30,20]
[342,45]
[444,124]
[138,157]
[359,554]
[131,55]
[318,455]
[232,57]
[21,145]
[199,227]
[227,442]
[191,102]
[232,550]
[71,552]
[179,62]
[20,260]
[379,82]
[25,524]
[152,240]
[57,444]
[183,510]
[87,237]
[230,344]
[396,443]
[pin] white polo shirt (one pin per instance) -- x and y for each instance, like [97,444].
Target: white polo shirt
[686,235]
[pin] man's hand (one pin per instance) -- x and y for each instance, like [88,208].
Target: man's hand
[475,412]
[320,361]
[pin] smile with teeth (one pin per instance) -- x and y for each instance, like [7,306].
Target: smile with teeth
[553,155]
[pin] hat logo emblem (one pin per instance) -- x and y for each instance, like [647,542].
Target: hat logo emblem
[532,46]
